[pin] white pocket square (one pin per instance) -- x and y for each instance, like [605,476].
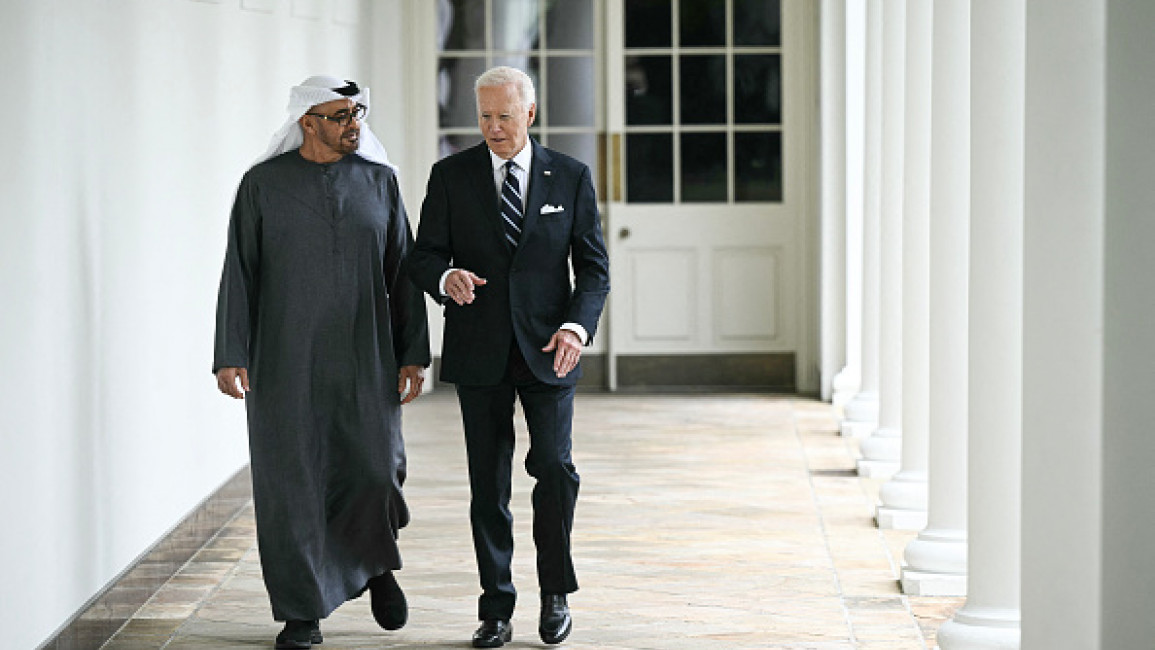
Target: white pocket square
[550,209]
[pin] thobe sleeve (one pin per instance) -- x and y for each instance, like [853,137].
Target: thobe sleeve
[407,303]
[237,298]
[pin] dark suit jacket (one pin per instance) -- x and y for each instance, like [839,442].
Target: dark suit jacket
[529,293]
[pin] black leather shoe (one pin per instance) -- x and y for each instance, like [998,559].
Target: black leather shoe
[555,623]
[299,634]
[493,633]
[388,601]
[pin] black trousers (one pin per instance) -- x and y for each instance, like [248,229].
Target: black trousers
[487,413]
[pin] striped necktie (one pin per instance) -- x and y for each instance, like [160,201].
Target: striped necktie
[511,210]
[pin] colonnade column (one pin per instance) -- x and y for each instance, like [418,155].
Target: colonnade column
[936,561]
[836,320]
[883,449]
[990,618]
[848,382]
[903,498]
[1063,333]
[861,413]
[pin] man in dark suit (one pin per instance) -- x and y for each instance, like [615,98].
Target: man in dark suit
[501,227]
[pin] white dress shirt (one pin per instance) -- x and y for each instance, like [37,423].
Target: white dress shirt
[521,163]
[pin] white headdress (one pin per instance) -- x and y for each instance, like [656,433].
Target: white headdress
[318,90]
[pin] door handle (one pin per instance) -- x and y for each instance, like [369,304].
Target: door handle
[624,233]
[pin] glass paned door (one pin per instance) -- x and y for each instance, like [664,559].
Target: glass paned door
[710,209]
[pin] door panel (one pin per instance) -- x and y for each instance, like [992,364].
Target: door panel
[745,317]
[719,282]
[664,316]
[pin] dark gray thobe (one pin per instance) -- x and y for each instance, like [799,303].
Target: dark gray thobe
[312,302]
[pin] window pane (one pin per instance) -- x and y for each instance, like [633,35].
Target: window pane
[582,146]
[648,23]
[758,166]
[457,105]
[515,25]
[649,168]
[531,65]
[451,144]
[569,25]
[757,89]
[756,22]
[702,23]
[703,89]
[571,91]
[704,167]
[648,94]
[461,25]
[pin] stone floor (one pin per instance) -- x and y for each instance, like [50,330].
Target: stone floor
[703,522]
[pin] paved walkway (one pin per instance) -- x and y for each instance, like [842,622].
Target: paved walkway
[703,522]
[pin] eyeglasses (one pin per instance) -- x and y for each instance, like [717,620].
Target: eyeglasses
[343,117]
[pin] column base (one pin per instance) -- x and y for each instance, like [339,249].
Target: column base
[840,398]
[845,387]
[903,502]
[863,408]
[922,583]
[936,563]
[885,444]
[898,519]
[981,629]
[877,468]
[855,429]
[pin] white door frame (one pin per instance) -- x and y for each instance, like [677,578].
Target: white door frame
[800,30]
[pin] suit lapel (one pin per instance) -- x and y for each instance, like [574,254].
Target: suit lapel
[482,178]
[541,177]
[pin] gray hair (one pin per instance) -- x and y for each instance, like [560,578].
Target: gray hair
[505,75]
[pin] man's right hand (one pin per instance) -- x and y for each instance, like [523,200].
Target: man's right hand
[227,381]
[459,286]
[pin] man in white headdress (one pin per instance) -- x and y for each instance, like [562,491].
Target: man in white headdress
[327,338]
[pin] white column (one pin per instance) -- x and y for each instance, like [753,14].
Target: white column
[848,382]
[903,498]
[1063,325]
[883,449]
[834,321]
[990,617]
[862,411]
[936,562]
[1128,532]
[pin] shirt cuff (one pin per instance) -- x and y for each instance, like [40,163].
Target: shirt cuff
[441,282]
[577,329]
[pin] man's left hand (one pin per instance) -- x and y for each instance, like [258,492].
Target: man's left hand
[411,378]
[567,349]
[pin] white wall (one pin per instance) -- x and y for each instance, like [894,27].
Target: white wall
[127,126]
